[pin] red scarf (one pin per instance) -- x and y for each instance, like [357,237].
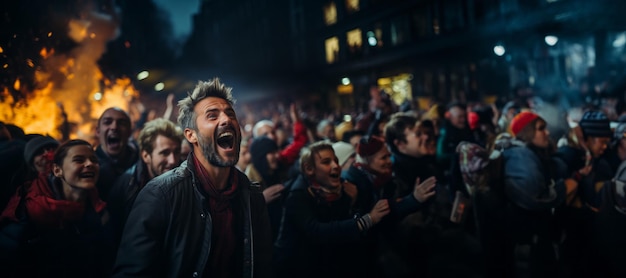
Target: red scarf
[44,210]
[220,207]
[377,180]
[324,194]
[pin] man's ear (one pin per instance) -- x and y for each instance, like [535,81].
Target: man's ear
[145,156]
[191,135]
[57,171]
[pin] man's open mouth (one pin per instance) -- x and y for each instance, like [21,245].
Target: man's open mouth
[114,141]
[226,140]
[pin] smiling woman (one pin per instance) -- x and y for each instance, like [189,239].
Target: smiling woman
[60,209]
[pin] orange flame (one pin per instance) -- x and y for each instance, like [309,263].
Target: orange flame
[41,110]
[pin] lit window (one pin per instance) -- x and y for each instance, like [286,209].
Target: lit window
[330,13]
[332,49]
[352,6]
[355,40]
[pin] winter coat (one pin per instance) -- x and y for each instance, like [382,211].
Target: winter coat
[44,235]
[168,232]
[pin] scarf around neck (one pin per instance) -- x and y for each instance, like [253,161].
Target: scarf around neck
[378,181]
[221,210]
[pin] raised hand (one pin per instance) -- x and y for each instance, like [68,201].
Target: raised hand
[425,190]
[381,208]
[273,192]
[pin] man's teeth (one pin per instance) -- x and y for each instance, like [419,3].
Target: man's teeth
[225,134]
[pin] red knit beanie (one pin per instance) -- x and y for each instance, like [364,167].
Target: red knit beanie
[521,120]
[367,147]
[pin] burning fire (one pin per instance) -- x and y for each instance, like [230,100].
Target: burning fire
[71,87]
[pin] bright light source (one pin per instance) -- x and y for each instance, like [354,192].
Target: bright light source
[97,96]
[159,86]
[372,41]
[499,50]
[620,40]
[551,40]
[345,81]
[371,38]
[143,75]
[347,118]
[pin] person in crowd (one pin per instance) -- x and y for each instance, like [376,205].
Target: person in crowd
[266,170]
[609,229]
[67,232]
[159,145]
[289,155]
[326,131]
[454,130]
[35,153]
[616,152]
[244,155]
[372,175]
[588,172]
[353,137]
[346,154]
[411,144]
[204,218]
[11,164]
[115,153]
[509,111]
[319,233]
[185,149]
[533,184]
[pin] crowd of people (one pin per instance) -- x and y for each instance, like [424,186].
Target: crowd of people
[458,189]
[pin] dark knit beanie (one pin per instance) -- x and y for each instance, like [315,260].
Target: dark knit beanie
[36,144]
[595,124]
[369,146]
[259,149]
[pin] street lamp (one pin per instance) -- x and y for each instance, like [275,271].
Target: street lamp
[551,40]
[499,49]
[143,75]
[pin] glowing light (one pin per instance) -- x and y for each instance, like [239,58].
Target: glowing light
[371,38]
[159,86]
[49,34]
[143,75]
[97,96]
[1,50]
[499,50]
[620,41]
[347,118]
[16,84]
[345,81]
[551,40]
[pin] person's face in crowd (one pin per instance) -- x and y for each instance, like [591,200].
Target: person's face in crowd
[418,142]
[354,140]
[326,170]
[40,162]
[268,131]
[164,157]
[244,157]
[272,160]
[380,162]
[218,134]
[597,145]
[80,168]
[542,135]
[328,132]
[458,117]
[113,131]
[185,149]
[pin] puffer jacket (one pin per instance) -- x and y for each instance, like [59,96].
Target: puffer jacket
[168,232]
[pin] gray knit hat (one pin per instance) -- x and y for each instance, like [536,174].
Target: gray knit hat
[36,144]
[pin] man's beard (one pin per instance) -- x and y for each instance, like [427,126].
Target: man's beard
[209,149]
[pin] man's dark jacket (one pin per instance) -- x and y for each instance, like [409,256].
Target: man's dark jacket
[168,232]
